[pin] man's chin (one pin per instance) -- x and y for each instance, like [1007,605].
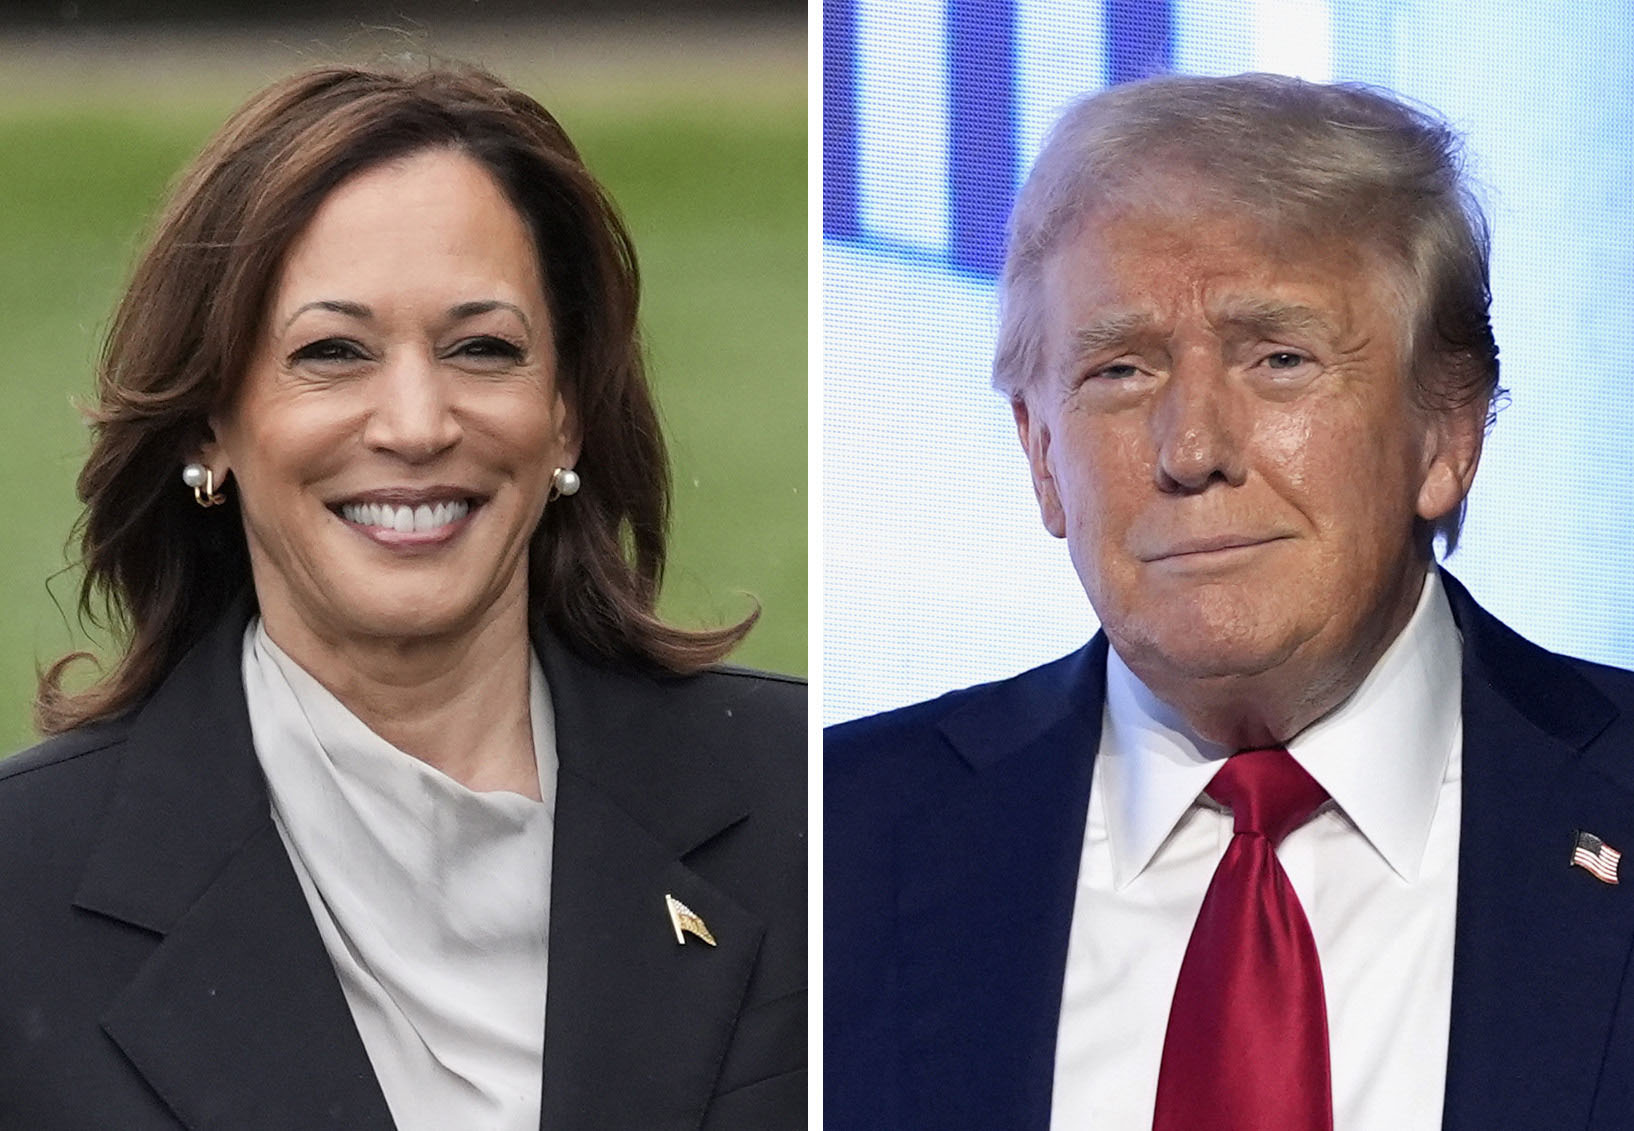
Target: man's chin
[1194,652]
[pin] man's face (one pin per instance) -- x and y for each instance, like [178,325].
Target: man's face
[1225,436]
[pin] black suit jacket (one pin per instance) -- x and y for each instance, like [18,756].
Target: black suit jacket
[159,967]
[952,840]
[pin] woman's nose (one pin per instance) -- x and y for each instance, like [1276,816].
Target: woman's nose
[412,414]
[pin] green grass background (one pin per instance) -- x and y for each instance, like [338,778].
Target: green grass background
[699,136]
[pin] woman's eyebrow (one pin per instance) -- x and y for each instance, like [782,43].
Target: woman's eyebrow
[362,312]
[339,306]
[466,310]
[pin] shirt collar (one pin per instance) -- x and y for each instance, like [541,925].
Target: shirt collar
[1381,754]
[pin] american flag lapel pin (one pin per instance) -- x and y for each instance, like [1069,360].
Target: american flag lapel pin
[687,921]
[1595,857]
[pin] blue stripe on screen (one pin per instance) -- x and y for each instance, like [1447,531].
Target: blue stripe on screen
[982,149]
[840,214]
[1139,39]
[982,124]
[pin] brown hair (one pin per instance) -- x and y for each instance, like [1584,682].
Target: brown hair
[161,570]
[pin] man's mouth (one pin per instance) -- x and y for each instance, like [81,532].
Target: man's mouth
[1202,548]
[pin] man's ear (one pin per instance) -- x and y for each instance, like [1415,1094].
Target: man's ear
[1034,433]
[1453,447]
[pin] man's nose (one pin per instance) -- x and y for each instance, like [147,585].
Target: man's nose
[1198,425]
[412,415]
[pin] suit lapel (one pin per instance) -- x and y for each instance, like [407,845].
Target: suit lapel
[988,872]
[1541,946]
[637,1023]
[236,1018]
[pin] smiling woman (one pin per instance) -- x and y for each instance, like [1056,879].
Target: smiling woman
[398,740]
[397,435]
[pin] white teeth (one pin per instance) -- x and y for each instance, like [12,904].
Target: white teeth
[405,520]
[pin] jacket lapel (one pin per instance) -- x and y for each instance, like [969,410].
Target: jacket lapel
[637,1023]
[1541,946]
[988,874]
[236,1018]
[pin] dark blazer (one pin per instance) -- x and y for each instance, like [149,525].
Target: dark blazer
[159,967]
[952,842]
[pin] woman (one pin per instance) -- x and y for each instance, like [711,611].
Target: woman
[402,807]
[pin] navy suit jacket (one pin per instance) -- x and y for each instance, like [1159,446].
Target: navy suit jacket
[952,841]
[159,968]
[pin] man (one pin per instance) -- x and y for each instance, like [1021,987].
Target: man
[1304,839]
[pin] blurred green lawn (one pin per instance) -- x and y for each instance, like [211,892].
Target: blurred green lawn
[711,177]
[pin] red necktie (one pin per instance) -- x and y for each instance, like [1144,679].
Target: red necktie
[1247,1045]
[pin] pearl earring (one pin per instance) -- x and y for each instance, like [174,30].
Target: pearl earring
[203,482]
[564,481]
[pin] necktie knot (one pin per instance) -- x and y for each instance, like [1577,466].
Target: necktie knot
[1269,793]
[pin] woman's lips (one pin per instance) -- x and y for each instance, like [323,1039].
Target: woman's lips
[405,519]
[428,523]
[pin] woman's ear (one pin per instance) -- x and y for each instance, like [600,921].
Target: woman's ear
[569,436]
[210,452]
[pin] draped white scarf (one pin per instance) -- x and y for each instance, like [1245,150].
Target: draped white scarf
[432,900]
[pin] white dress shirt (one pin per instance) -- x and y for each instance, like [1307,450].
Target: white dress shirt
[432,900]
[1376,871]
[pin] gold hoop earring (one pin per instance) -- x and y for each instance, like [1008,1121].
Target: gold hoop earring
[203,482]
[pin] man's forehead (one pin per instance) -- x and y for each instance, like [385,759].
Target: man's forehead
[1233,313]
[1133,271]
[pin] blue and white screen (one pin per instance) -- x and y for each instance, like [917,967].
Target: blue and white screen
[937,573]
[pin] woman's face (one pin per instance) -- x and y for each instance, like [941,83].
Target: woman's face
[395,435]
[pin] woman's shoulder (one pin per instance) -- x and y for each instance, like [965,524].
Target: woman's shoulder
[724,713]
[777,696]
[53,798]
[60,766]
[760,716]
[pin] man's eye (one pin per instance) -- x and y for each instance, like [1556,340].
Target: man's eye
[1116,372]
[1285,359]
[329,349]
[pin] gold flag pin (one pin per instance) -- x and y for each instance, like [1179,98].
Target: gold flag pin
[682,918]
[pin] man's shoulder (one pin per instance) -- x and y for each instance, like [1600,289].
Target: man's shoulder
[1616,684]
[911,738]
[1556,691]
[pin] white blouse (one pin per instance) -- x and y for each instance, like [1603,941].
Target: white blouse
[433,900]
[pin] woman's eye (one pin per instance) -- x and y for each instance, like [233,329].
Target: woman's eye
[488,347]
[329,349]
